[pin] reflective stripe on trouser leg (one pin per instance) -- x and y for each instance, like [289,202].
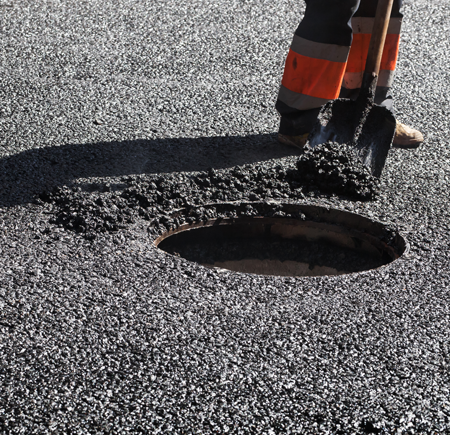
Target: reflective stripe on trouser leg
[313,73]
[362,24]
[315,64]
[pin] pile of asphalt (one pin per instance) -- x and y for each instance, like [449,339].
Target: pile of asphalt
[94,212]
[147,197]
[111,335]
[337,168]
[97,209]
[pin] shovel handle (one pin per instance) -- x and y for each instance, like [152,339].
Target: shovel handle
[380,27]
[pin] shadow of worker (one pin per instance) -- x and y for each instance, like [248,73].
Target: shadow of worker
[26,174]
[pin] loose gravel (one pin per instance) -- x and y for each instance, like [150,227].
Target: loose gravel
[337,168]
[101,332]
[97,209]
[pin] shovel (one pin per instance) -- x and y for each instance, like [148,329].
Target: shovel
[370,128]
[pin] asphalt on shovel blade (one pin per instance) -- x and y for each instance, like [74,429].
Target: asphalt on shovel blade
[369,129]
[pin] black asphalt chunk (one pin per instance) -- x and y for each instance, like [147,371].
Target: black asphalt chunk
[102,332]
[337,168]
[93,209]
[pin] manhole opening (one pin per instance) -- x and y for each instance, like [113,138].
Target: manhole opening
[332,243]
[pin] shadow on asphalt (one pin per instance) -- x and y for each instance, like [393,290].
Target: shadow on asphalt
[26,174]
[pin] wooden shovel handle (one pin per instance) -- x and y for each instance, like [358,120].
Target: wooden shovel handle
[380,27]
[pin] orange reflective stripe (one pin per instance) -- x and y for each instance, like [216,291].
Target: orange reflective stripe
[314,77]
[358,52]
[360,49]
[390,53]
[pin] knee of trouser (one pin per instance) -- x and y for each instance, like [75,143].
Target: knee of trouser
[327,21]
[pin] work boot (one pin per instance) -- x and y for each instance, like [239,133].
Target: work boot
[295,141]
[406,137]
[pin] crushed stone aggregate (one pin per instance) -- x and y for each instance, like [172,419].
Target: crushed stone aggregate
[101,332]
[337,168]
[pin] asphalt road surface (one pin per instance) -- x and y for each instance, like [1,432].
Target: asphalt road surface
[101,332]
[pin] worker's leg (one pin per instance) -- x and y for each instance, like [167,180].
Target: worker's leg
[362,24]
[315,65]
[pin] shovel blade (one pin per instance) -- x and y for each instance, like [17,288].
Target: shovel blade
[369,128]
[375,138]
[336,122]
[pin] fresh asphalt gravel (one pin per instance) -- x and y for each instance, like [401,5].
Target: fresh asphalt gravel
[110,112]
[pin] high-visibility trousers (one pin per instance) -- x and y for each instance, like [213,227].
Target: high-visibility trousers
[327,59]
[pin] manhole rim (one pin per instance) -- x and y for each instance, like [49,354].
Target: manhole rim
[401,248]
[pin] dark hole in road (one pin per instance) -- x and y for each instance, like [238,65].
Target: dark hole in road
[333,243]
